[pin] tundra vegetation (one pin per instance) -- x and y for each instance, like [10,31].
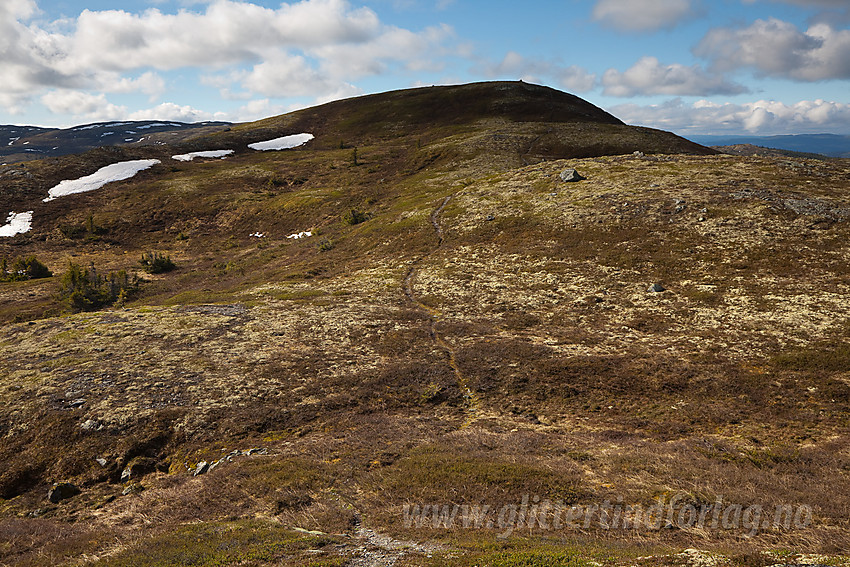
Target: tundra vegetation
[486,337]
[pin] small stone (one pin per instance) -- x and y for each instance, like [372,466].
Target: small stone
[76,403]
[134,488]
[101,461]
[656,288]
[91,425]
[62,491]
[491,217]
[201,468]
[569,175]
[137,468]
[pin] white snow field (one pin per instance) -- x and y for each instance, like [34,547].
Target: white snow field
[115,172]
[284,143]
[302,234]
[17,223]
[209,154]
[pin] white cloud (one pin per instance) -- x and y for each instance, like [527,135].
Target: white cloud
[649,77]
[643,15]
[84,105]
[284,75]
[26,55]
[308,47]
[227,32]
[148,83]
[778,48]
[89,107]
[515,66]
[171,111]
[413,51]
[760,117]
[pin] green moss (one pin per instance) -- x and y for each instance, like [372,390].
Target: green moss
[438,472]
[241,542]
[824,358]
[299,295]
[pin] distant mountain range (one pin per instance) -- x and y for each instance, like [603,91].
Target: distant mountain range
[825,144]
[23,143]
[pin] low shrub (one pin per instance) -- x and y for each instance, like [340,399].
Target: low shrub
[83,289]
[28,268]
[156,263]
[354,216]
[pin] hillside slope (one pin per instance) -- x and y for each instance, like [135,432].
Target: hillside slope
[25,143]
[406,312]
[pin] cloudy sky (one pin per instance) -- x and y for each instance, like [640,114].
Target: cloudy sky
[691,66]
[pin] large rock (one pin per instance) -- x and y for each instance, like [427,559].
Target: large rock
[62,491]
[570,175]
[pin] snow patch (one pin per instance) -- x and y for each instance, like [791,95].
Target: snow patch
[110,125]
[157,125]
[208,154]
[115,172]
[14,140]
[258,235]
[17,223]
[303,234]
[107,134]
[284,143]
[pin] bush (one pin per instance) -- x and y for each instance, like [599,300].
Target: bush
[89,228]
[23,269]
[83,289]
[353,216]
[156,263]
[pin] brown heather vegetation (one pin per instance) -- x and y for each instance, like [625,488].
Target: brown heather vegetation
[527,359]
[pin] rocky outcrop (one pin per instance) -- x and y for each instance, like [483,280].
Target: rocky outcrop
[62,491]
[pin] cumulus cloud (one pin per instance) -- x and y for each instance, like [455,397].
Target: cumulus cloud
[227,32]
[649,77]
[761,117]
[148,83]
[642,15]
[516,66]
[171,111]
[779,49]
[27,56]
[309,47]
[90,107]
[82,105]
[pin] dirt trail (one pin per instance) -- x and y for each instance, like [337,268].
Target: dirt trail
[471,398]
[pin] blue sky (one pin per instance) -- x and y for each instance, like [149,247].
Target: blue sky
[690,66]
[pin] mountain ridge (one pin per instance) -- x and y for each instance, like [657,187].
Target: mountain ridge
[832,145]
[25,143]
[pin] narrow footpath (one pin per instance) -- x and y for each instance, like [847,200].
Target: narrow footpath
[434,315]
